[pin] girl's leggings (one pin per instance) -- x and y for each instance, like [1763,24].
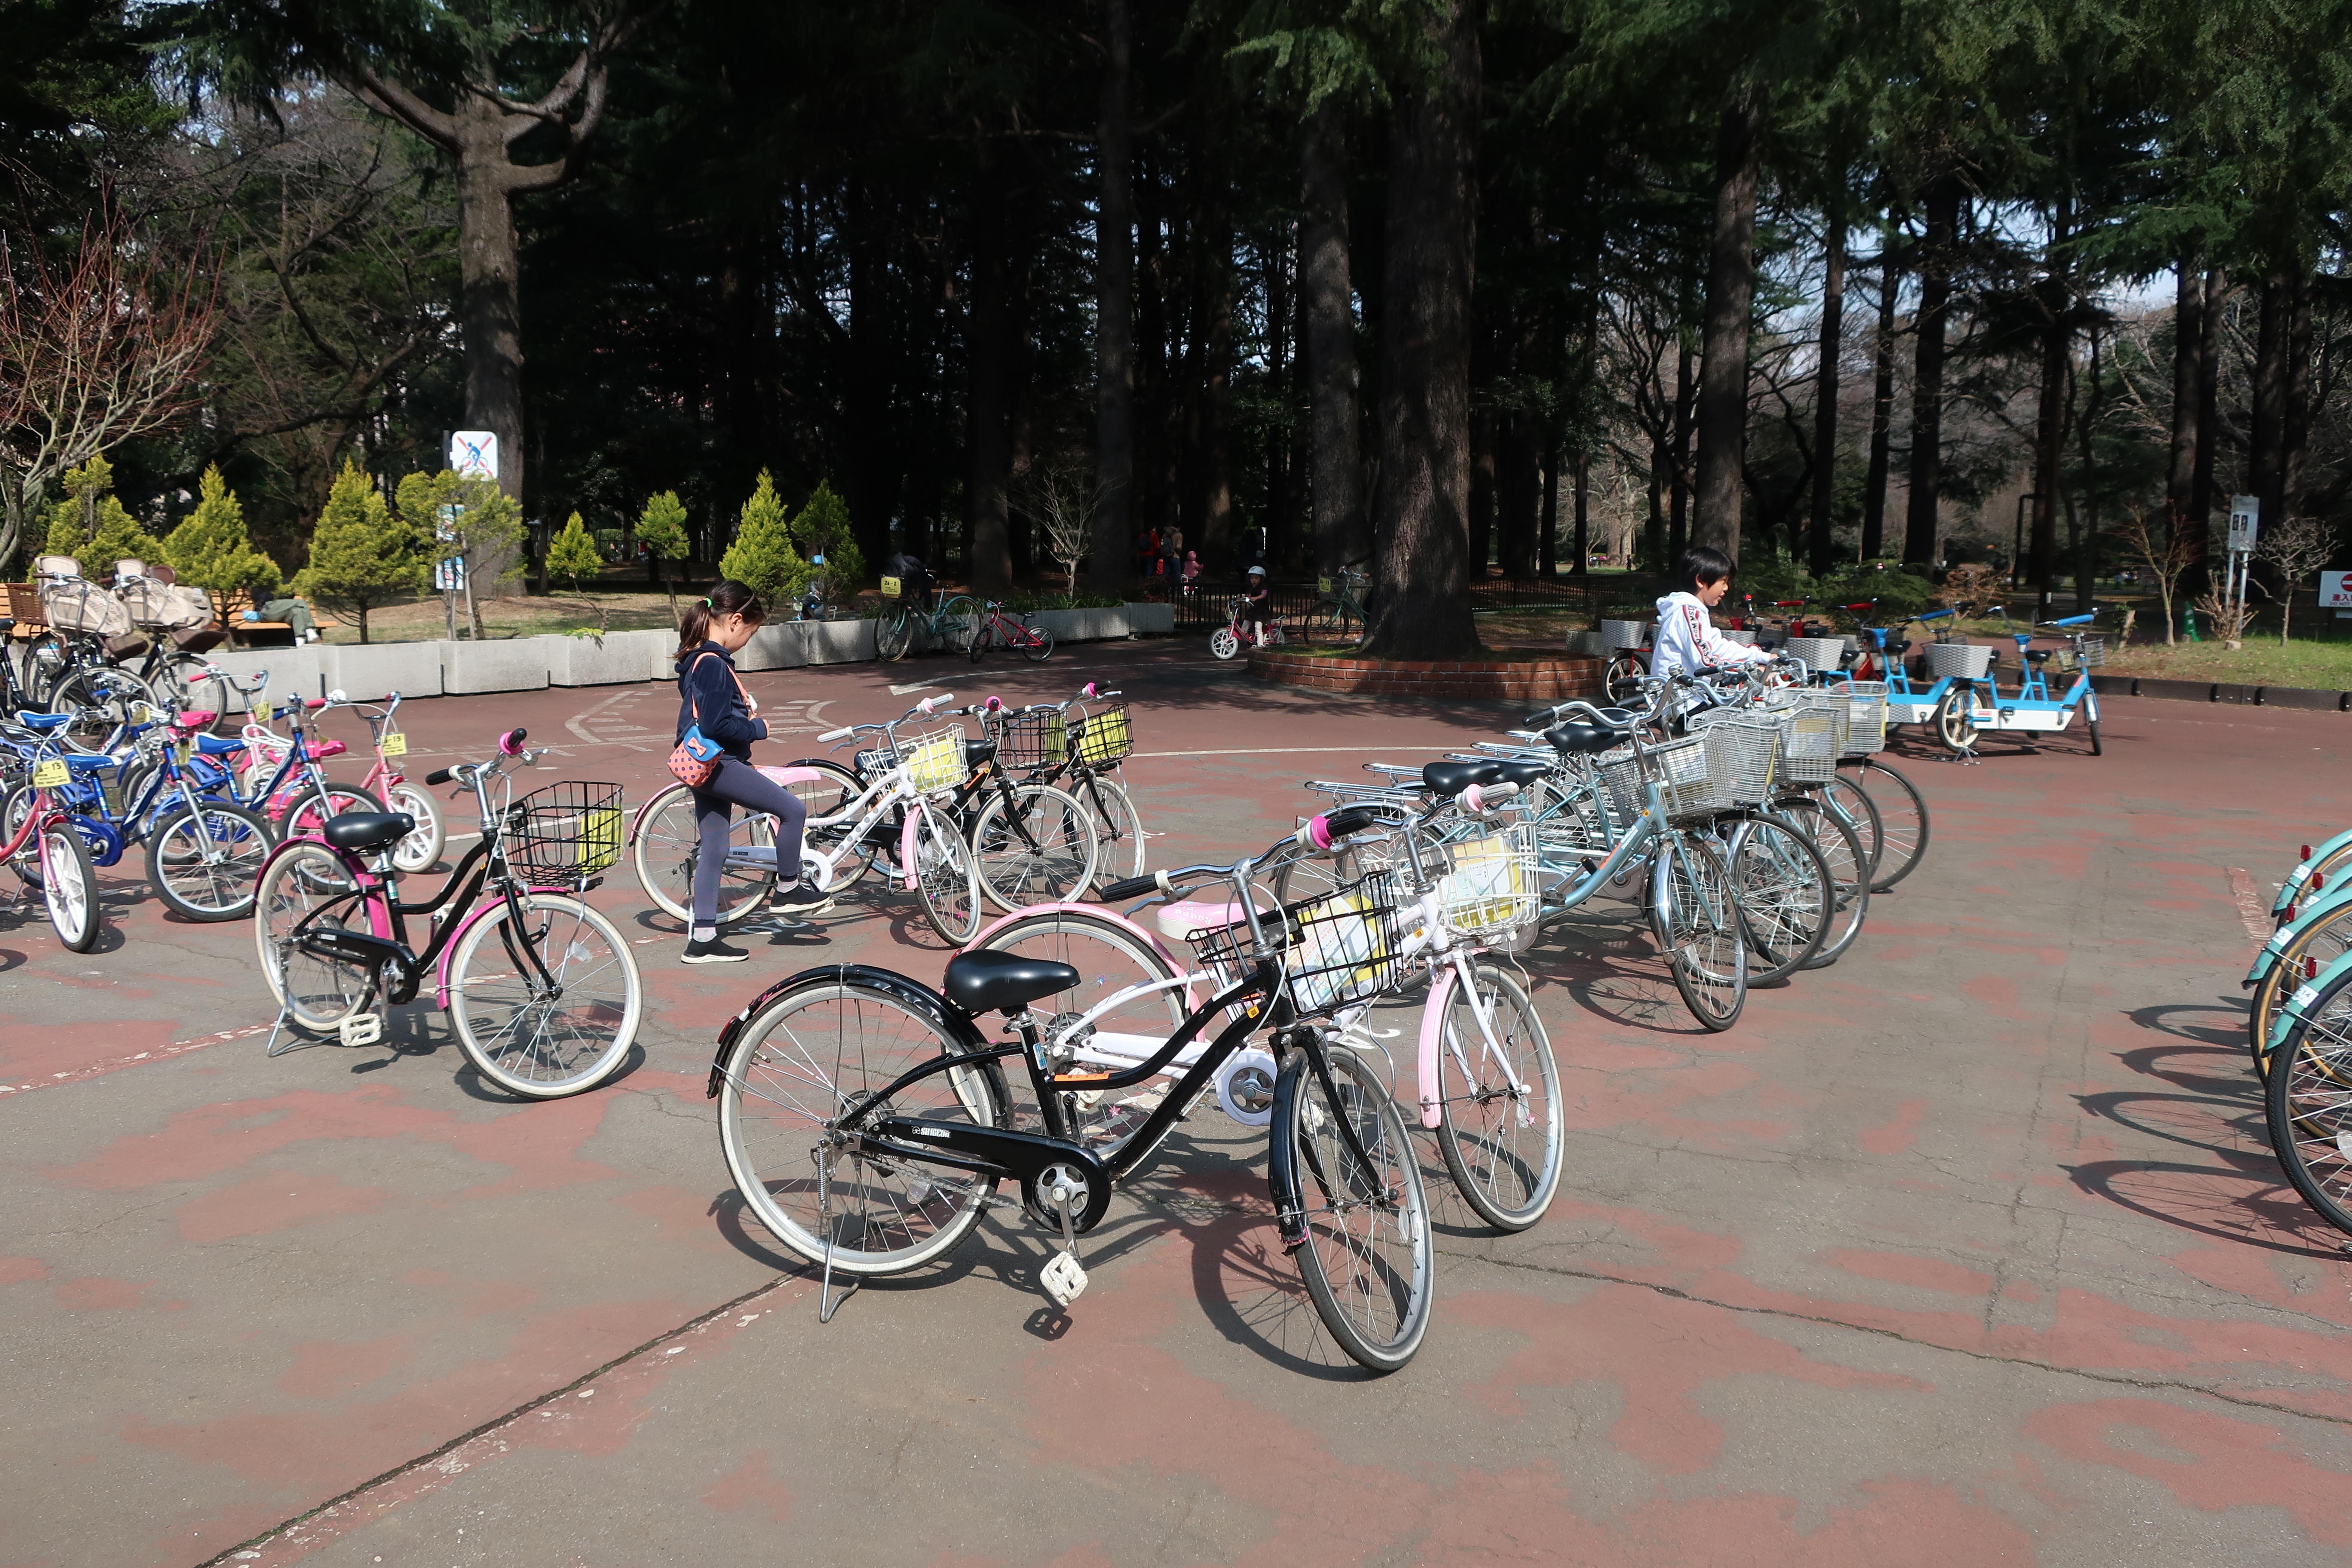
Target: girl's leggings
[740,783]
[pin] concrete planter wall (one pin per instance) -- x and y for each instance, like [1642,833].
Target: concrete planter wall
[609,660]
[520,665]
[372,673]
[293,671]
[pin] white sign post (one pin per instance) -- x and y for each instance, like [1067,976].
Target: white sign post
[2245,527]
[475,453]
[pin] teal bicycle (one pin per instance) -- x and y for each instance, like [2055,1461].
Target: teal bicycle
[906,623]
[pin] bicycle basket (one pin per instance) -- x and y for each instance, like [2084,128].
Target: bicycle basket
[1624,635]
[1743,751]
[1334,950]
[1815,737]
[1680,770]
[1866,730]
[1819,653]
[1490,882]
[1025,740]
[564,834]
[1968,661]
[1106,738]
[2093,654]
[934,762]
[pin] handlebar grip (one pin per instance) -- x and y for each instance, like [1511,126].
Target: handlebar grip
[437,777]
[1130,887]
[1087,691]
[841,735]
[314,703]
[510,743]
[1341,823]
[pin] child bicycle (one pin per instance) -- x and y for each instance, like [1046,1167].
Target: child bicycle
[994,626]
[542,990]
[1077,746]
[46,850]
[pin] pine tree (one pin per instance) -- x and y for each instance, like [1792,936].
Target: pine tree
[361,556]
[822,530]
[573,560]
[661,528]
[763,558]
[468,518]
[213,551]
[91,526]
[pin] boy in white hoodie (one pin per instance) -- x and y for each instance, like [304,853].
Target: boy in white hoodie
[1688,641]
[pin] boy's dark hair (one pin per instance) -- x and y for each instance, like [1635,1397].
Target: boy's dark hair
[1702,566]
[726,598]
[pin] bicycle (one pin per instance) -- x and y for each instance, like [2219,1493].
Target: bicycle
[995,625]
[541,989]
[47,852]
[1240,633]
[904,624]
[867,1119]
[2311,940]
[1337,612]
[294,795]
[1080,752]
[387,783]
[2307,1092]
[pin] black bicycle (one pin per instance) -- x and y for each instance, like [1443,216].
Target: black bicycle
[868,1120]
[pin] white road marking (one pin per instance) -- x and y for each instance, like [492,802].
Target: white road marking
[1313,751]
[2251,910]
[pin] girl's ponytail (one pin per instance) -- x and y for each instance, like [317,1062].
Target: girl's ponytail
[725,598]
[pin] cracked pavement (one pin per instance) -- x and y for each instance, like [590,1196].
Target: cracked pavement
[1966,1249]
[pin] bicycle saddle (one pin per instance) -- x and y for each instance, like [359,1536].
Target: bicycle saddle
[976,982]
[196,720]
[44,723]
[218,745]
[1522,771]
[1449,778]
[1578,736]
[320,751]
[363,830]
[978,751]
[2038,655]
[83,763]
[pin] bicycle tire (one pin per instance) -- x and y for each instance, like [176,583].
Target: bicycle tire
[2308,1101]
[978,647]
[300,881]
[105,690]
[1481,1118]
[834,787]
[894,635]
[1696,918]
[182,679]
[775,1104]
[1367,1261]
[1953,722]
[1902,822]
[2091,723]
[956,622]
[1224,644]
[552,1044]
[1038,646]
[204,860]
[307,814]
[1784,892]
[1622,680]
[2306,956]
[69,888]
[1039,849]
[421,850]
[946,879]
[667,841]
[1120,849]
[1849,865]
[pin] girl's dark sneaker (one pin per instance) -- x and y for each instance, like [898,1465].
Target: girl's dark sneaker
[714,952]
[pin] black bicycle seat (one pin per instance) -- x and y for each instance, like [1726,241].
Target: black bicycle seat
[1523,771]
[1450,779]
[976,982]
[359,831]
[1577,736]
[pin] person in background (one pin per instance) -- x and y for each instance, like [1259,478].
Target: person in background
[1688,641]
[711,698]
[1192,572]
[1171,554]
[914,581]
[295,612]
[1257,605]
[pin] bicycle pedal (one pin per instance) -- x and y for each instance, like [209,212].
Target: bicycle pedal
[1064,1280]
[360,1029]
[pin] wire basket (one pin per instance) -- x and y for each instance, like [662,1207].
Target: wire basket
[1105,739]
[2092,653]
[1334,950]
[1490,883]
[934,762]
[564,834]
[1815,737]
[1743,750]
[1866,730]
[1680,769]
[1617,635]
[1026,740]
[1966,660]
[1819,653]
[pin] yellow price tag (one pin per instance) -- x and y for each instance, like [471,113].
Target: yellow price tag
[890,587]
[1323,585]
[51,774]
[393,744]
[265,711]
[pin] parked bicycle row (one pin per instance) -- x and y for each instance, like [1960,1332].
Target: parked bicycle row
[2299,1027]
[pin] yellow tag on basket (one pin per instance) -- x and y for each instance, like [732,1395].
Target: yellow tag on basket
[51,774]
[393,744]
[266,710]
[889,587]
[1323,585]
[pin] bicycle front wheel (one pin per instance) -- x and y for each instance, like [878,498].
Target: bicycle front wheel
[894,633]
[312,810]
[1623,679]
[422,848]
[1119,833]
[545,1036]
[981,634]
[70,887]
[947,881]
[1784,893]
[1368,1257]
[1902,820]
[1849,868]
[668,845]
[1498,1101]
[1037,847]
[800,1063]
[1696,920]
[2309,1101]
[203,860]
[306,887]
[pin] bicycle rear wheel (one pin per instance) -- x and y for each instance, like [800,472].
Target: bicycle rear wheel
[669,843]
[1903,825]
[1785,895]
[1038,646]
[2308,1097]
[106,696]
[1037,848]
[305,887]
[184,682]
[308,817]
[543,1039]
[1368,1257]
[798,1064]
[1695,917]
[947,881]
[2307,953]
[981,635]
[1119,850]
[421,850]
[1498,1101]
[1849,868]
[203,860]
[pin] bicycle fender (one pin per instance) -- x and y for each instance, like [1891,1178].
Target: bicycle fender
[1103,913]
[2318,910]
[1432,1031]
[907,846]
[2307,998]
[2302,872]
[482,911]
[1281,1179]
[913,994]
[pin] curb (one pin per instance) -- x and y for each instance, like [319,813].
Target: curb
[1553,680]
[2308,699]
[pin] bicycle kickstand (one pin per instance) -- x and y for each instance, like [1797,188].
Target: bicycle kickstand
[827,1303]
[273,1047]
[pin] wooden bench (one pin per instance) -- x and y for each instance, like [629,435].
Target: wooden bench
[253,634]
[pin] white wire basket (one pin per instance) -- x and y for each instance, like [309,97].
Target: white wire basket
[1489,886]
[1968,660]
[1815,737]
[2092,655]
[935,760]
[1819,653]
[1744,639]
[1615,635]
[1685,781]
[1743,750]
[1865,728]
[1334,950]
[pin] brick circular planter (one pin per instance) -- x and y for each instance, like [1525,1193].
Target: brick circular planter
[1533,680]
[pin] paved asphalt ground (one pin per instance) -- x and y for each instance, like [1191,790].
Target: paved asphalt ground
[1965,1250]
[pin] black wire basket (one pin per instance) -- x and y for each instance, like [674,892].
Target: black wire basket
[561,836]
[1104,736]
[1031,740]
[1334,950]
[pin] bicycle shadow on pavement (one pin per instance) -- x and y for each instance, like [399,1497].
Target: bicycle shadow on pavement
[1608,963]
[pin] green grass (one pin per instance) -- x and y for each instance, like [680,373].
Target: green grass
[2323,663]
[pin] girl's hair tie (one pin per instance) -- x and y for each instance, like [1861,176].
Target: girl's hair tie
[706,604]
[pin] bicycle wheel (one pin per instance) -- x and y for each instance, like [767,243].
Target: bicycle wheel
[311,812]
[803,1061]
[1849,868]
[70,887]
[1846,800]
[947,881]
[1498,1101]
[1954,720]
[1119,850]
[980,635]
[422,848]
[1624,678]
[1110,958]
[306,886]
[1903,825]
[2091,723]
[894,633]
[1224,643]
[1696,918]
[957,620]
[825,795]
[106,695]
[182,682]
[1784,893]
[669,843]
[1367,1261]
[203,860]
[1038,646]
[1037,848]
[2307,953]
[545,1037]
[2308,1099]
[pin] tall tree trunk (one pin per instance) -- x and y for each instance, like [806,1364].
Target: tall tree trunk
[1110,566]
[2057,394]
[1678,511]
[1730,307]
[1154,503]
[2180,468]
[1423,499]
[1275,282]
[987,413]
[2209,405]
[2296,432]
[1825,396]
[1213,329]
[1582,567]
[876,449]
[2266,431]
[1882,405]
[2086,539]
[1927,375]
[1483,420]
[1654,532]
[489,287]
[1548,520]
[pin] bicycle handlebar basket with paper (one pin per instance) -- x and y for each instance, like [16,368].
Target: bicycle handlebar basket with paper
[561,836]
[1105,738]
[1487,885]
[1335,949]
[1687,783]
[934,761]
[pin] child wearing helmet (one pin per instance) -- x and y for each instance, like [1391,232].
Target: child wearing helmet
[1257,605]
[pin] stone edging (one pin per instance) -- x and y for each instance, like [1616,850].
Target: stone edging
[2308,698]
[1549,680]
